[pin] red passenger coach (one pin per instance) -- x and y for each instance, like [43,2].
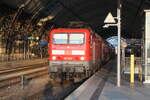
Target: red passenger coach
[75,51]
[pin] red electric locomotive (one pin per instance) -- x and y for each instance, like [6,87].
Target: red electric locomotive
[78,52]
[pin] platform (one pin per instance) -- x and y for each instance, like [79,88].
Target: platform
[102,86]
[21,63]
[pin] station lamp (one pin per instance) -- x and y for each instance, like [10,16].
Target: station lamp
[110,19]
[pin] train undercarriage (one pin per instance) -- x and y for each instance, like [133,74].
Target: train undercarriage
[73,71]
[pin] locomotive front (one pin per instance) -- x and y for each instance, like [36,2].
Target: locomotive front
[69,50]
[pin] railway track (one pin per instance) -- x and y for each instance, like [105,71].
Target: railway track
[51,91]
[20,75]
[55,91]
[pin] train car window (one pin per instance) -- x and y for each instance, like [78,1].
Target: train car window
[60,38]
[76,38]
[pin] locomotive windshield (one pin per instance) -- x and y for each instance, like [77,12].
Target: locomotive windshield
[76,38]
[60,38]
[68,38]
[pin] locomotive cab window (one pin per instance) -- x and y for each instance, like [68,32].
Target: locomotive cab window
[68,38]
[60,38]
[76,38]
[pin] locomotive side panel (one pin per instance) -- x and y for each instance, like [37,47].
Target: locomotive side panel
[96,51]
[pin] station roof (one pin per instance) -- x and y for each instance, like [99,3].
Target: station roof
[90,11]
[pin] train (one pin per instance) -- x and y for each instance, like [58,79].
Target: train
[76,53]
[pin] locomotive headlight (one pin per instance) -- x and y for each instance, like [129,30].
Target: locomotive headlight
[53,57]
[82,58]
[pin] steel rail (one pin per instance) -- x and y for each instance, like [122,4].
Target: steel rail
[10,70]
[21,76]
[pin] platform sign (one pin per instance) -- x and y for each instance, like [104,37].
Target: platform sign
[109,19]
[43,43]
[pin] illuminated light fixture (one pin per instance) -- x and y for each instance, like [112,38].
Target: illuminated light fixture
[82,58]
[105,26]
[40,23]
[37,38]
[53,57]
[46,18]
